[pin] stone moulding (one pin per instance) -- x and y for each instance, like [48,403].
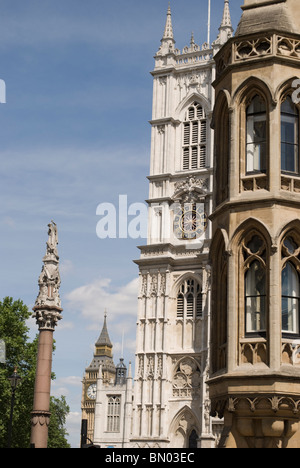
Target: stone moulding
[258,46]
[256,404]
[40,417]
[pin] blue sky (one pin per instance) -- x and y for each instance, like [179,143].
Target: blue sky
[74,134]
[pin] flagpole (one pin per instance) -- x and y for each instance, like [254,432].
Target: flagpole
[208,23]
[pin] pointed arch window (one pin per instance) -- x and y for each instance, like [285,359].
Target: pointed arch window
[255,285]
[194,138]
[193,440]
[289,136]
[114,414]
[290,287]
[189,300]
[256,143]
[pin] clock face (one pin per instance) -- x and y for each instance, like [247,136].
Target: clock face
[190,222]
[92,392]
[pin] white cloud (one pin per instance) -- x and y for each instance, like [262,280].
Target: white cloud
[8,221]
[63,325]
[73,428]
[92,299]
[72,380]
[64,385]
[129,346]
[66,267]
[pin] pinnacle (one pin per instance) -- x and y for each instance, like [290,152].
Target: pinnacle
[168,33]
[104,339]
[226,20]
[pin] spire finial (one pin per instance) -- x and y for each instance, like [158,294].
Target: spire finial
[226,20]
[104,339]
[168,33]
[226,29]
[168,41]
[192,39]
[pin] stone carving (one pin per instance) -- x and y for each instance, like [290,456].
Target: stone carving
[47,309]
[40,417]
[162,289]
[272,431]
[187,378]
[253,48]
[141,368]
[150,368]
[153,286]
[274,403]
[190,189]
[52,241]
[254,353]
[156,286]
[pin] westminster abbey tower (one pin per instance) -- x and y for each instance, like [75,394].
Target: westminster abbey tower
[171,401]
[218,332]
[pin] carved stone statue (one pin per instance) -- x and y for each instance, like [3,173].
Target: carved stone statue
[47,307]
[52,240]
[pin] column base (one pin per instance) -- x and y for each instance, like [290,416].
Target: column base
[40,421]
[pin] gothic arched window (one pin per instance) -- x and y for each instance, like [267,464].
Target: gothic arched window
[256,143]
[255,285]
[290,286]
[194,138]
[189,300]
[114,414]
[289,136]
[193,440]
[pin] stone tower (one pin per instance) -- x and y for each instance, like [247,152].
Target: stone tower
[171,404]
[255,252]
[113,410]
[103,357]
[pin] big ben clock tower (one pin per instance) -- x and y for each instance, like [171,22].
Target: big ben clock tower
[102,357]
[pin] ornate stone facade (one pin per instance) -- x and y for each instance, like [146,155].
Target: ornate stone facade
[254,379]
[171,405]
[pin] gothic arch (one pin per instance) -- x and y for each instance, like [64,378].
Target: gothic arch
[222,97]
[221,124]
[184,358]
[292,226]
[219,236]
[252,86]
[181,279]
[219,259]
[188,100]
[285,87]
[181,427]
[250,224]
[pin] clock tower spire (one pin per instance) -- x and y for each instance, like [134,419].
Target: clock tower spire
[103,357]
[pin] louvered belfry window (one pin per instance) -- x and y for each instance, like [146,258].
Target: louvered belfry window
[194,138]
[189,300]
[113,414]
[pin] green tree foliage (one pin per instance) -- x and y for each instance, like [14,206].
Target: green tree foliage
[57,433]
[22,353]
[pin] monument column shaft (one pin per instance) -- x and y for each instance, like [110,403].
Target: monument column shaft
[47,312]
[40,414]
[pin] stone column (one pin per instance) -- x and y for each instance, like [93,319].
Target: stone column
[40,416]
[47,312]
